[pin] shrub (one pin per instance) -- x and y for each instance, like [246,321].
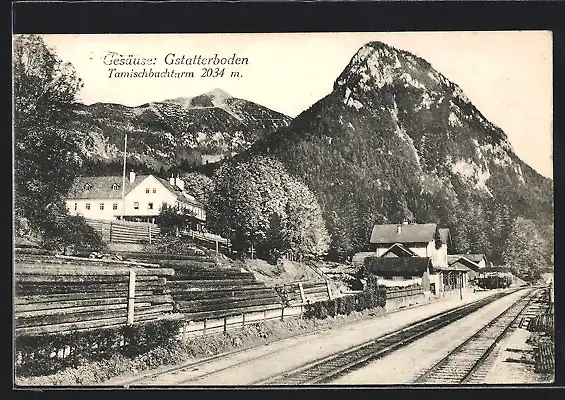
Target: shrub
[322,310]
[372,297]
[71,231]
[172,245]
[172,219]
[332,307]
[35,353]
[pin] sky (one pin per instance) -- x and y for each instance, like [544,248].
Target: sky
[506,75]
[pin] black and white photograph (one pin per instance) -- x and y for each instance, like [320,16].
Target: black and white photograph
[283,209]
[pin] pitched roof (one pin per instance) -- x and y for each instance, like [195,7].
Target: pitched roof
[409,233]
[100,187]
[358,259]
[399,250]
[397,265]
[476,258]
[456,266]
[185,197]
[499,268]
[463,259]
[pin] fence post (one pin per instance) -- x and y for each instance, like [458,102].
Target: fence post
[329,290]
[204,329]
[149,234]
[302,296]
[243,320]
[184,332]
[264,315]
[282,313]
[131,297]
[225,324]
[111,225]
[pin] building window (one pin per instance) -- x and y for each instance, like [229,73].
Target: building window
[136,205]
[115,206]
[76,205]
[154,190]
[147,190]
[150,206]
[87,206]
[101,206]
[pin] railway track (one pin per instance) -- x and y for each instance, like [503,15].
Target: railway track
[148,379]
[470,361]
[330,368]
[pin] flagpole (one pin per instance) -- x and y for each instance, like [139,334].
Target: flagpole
[124,177]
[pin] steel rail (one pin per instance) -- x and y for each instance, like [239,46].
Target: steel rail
[460,365]
[148,378]
[335,365]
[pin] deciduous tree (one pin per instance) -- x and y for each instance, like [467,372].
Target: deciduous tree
[257,203]
[47,153]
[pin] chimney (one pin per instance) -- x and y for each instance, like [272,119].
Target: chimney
[399,229]
[405,222]
[172,180]
[131,176]
[180,183]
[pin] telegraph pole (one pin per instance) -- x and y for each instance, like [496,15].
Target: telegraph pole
[124,177]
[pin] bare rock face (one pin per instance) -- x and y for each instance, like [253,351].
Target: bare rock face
[189,130]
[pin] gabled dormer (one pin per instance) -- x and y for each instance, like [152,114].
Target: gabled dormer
[115,186]
[87,187]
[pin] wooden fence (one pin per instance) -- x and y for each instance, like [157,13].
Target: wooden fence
[143,232]
[203,290]
[124,231]
[288,303]
[214,296]
[392,293]
[58,297]
[207,237]
[298,293]
[56,294]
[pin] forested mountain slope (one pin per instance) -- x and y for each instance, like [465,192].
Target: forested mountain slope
[395,140]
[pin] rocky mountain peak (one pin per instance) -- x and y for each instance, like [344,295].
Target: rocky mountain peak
[218,95]
[381,76]
[214,98]
[377,65]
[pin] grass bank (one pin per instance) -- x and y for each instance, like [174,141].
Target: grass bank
[120,368]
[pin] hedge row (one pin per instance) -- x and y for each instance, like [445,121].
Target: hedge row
[369,299]
[37,355]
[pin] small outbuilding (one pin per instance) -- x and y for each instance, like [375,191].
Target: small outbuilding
[453,277]
[479,259]
[400,271]
[462,261]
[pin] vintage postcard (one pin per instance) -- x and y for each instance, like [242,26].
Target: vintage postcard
[283,209]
